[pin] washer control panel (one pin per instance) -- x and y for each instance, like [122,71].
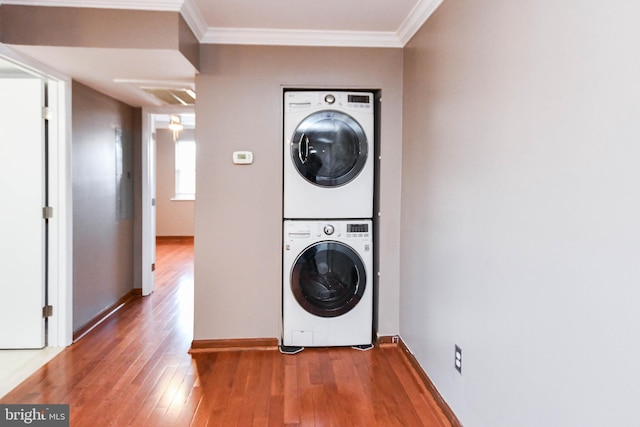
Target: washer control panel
[299,234]
[318,230]
[358,231]
[357,228]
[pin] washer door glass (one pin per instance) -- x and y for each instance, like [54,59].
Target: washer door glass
[328,279]
[329,148]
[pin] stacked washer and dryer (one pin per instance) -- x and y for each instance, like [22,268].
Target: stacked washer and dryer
[328,210]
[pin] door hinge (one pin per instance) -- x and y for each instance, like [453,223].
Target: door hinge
[47,212]
[47,113]
[47,311]
[153,267]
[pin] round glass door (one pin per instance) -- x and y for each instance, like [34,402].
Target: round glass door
[329,148]
[328,279]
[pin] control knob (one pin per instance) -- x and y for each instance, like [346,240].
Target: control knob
[328,229]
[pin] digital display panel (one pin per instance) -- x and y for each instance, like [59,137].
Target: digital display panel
[362,99]
[357,228]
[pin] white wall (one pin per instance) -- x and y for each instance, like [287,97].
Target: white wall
[173,217]
[521,210]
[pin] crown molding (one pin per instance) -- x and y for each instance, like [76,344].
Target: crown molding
[160,5]
[261,36]
[193,17]
[266,36]
[416,19]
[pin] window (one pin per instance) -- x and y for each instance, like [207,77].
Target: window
[185,169]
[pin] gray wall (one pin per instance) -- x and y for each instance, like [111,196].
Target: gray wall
[239,208]
[173,217]
[137,198]
[103,250]
[96,27]
[520,210]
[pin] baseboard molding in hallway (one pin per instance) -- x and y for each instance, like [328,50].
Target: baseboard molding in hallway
[422,376]
[207,346]
[105,314]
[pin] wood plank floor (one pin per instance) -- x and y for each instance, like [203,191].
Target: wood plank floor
[135,369]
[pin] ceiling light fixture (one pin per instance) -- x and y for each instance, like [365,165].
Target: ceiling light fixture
[175,124]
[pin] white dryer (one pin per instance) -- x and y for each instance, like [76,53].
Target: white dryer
[328,154]
[327,283]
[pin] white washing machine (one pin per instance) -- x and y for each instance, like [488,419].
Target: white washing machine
[328,154]
[327,283]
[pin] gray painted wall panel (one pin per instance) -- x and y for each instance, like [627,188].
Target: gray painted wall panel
[520,202]
[93,27]
[173,217]
[239,208]
[102,243]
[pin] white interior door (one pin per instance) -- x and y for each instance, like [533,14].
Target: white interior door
[148,204]
[22,227]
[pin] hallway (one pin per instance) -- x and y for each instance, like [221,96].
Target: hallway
[135,369]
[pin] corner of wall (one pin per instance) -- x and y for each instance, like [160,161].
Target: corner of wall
[137,198]
[188,44]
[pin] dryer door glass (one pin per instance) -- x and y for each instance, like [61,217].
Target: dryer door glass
[329,148]
[328,279]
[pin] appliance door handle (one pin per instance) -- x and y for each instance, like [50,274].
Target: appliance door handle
[303,153]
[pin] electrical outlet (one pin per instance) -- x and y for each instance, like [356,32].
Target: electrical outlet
[458,359]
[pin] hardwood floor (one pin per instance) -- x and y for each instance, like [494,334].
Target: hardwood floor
[135,369]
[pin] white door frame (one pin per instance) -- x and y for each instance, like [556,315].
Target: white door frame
[149,191]
[60,274]
[148,204]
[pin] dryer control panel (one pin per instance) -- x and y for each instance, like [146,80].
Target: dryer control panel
[300,100]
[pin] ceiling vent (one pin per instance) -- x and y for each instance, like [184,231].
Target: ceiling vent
[173,96]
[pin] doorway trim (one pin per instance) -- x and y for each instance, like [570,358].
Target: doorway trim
[149,190]
[60,233]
